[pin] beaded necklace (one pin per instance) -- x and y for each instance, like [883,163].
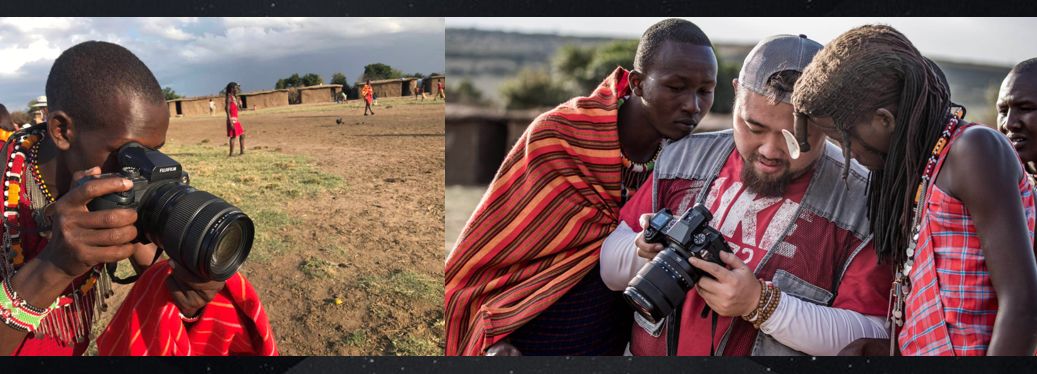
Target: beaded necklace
[634,174]
[70,321]
[902,281]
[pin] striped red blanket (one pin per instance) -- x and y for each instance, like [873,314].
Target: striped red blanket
[149,324]
[538,229]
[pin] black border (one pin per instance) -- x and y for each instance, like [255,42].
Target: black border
[460,365]
[519,365]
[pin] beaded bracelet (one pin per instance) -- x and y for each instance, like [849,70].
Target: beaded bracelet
[751,317]
[17,313]
[772,304]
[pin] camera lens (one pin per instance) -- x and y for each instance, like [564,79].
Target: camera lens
[230,239]
[659,287]
[198,230]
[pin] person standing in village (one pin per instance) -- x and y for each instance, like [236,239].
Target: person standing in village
[442,91]
[368,93]
[419,89]
[39,110]
[1017,113]
[212,107]
[522,278]
[234,128]
[950,205]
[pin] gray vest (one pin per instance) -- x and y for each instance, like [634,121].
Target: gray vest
[842,203]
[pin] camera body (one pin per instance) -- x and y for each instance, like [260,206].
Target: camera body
[198,230]
[662,284]
[146,168]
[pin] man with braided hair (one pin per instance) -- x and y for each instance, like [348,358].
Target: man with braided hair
[802,278]
[949,203]
[521,279]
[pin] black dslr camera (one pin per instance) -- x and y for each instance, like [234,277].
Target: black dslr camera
[199,231]
[661,285]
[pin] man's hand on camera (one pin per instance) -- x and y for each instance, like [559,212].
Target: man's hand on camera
[646,249]
[81,239]
[144,255]
[734,292]
[190,293]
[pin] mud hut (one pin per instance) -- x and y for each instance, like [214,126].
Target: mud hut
[324,93]
[194,106]
[388,87]
[264,99]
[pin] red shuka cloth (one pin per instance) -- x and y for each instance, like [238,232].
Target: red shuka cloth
[149,324]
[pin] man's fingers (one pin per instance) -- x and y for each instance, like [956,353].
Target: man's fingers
[645,220]
[189,281]
[80,174]
[707,286]
[715,270]
[109,254]
[106,219]
[95,188]
[109,237]
[732,261]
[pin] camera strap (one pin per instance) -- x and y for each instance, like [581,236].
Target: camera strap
[712,333]
[111,267]
[673,331]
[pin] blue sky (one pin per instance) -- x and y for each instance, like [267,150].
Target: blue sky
[999,41]
[198,56]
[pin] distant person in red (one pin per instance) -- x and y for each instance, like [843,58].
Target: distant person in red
[234,129]
[368,93]
[442,91]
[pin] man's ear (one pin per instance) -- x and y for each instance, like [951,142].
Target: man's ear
[636,79]
[885,120]
[61,130]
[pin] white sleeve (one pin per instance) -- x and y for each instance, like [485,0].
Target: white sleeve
[619,259]
[819,330]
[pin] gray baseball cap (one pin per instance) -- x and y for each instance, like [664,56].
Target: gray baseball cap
[774,54]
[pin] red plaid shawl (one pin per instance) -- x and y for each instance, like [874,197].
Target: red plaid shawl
[538,230]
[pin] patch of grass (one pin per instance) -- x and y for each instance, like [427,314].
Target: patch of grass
[317,268]
[405,284]
[263,183]
[355,338]
[411,345]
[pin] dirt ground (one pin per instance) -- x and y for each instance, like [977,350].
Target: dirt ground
[356,267]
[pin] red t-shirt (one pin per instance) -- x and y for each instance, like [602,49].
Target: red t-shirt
[747,222]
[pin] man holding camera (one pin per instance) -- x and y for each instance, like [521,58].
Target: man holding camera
[54,249]
[801,271]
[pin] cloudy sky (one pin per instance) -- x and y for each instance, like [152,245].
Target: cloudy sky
[1000,41]
[198,56]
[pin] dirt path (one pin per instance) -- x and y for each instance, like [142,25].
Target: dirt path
[373,242]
